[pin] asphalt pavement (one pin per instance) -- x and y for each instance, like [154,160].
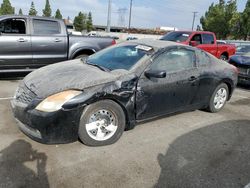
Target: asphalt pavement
[193,149]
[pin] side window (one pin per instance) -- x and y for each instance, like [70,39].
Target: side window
[203,58]
[13,26]
[46,27]
[207,39]
[197,38]
[174,60]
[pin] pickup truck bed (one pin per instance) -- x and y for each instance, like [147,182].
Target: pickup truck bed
[29,42]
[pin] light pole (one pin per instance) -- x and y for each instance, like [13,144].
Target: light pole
[130,14]
[194,19]
[109,16]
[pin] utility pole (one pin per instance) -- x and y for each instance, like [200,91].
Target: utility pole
[130,14]
[109,16]
[194,19]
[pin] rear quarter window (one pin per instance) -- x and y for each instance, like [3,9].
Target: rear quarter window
[46,27]
[203,58]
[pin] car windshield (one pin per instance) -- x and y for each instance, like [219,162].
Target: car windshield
[176,36]
[243,50]
[119,57]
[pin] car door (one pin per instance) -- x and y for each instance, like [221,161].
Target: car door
[208,43]
[15,43]
[49,42]
[173,92]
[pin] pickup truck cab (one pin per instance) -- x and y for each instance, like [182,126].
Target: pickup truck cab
[29,42]
[203,40]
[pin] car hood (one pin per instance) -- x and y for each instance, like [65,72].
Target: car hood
[241,59]
[67,75]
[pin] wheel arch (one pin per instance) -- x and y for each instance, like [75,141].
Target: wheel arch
[229,84]
[87,51]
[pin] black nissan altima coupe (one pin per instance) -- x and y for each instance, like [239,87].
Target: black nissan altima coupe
[96,98]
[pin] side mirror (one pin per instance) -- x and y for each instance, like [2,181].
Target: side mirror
[193,43]
[155,74]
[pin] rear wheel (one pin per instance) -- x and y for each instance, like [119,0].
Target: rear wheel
[102,123]
[223,57]
[81,56]
[219,98]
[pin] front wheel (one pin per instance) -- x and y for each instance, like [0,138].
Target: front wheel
[219,98]
[102,123]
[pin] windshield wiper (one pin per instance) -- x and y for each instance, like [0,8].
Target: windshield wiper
[98,66]
[85,60]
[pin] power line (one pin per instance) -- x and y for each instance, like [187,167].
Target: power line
[121,19]
[194,16]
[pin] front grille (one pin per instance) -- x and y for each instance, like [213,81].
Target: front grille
[244,70]
[24,95]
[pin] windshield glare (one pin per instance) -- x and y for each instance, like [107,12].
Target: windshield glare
[176,36]
[118,57]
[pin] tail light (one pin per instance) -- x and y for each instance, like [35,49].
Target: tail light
[113,42]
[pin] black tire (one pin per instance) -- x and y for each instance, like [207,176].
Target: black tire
[211,106]
[81,56]
[224,57]
[120,121]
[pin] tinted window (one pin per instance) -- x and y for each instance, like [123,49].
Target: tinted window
[203,58]
[197,38]
[13,26]
[174,60]
[207,39]
[46,27]
[176,36]
[118,57]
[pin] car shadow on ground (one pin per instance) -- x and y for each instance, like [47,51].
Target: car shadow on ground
[214,156]
[244,86]
[13,76]
[13,166]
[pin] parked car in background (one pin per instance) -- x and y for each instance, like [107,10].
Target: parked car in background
[132,38]
[242,61]
[96,99]
[203,40]
[29,42]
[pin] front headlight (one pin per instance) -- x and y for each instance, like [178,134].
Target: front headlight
[56,101]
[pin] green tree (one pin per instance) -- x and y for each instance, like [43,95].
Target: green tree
[32,11]
[246,21]
[47,10]
[230,14]
[80,22]
[6,8]
[58,14]
[89,23]
[20,12]
[214,20]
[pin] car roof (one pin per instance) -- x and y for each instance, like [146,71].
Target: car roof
[155,43]
[27,16]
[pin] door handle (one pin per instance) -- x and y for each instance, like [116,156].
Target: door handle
[22,40]
[57,40]
[192,78]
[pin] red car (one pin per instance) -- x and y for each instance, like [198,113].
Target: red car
[203,40]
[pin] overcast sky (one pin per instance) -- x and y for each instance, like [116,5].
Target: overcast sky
[146,13]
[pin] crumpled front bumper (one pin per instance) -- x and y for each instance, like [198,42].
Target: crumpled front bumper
[49,128]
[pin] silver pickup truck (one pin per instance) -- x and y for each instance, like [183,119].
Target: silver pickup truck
[27,43]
